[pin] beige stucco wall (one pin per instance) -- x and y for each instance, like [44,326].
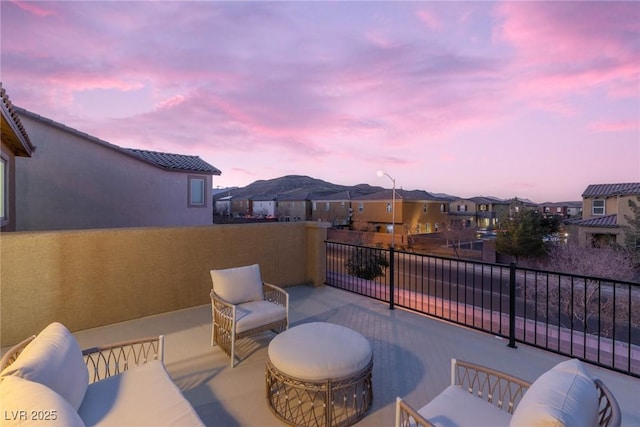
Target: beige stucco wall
[91,278]
[375,211]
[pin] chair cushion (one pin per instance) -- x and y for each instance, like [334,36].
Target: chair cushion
[239,284]
[251,315]
[55,360]
[141,396]
[28,403]
[563,396]
[456,407]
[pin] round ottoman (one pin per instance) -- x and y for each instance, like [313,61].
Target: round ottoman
[319,374]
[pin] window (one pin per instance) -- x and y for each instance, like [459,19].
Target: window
[327,206]
[598,207]
[424,208]
[3,189]
[443,207]
[388,207]
[559,209]
[197,193]
[314,205]
[361,207]
[462,208]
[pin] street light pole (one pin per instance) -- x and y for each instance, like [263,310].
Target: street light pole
[393,207]
[392,256]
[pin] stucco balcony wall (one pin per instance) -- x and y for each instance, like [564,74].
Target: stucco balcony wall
[92,278]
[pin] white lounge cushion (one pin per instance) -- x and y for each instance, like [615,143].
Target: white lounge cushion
[28,403]
[253,314]
[141,396]
[54,359]
[456,407]
[239,284]
[318,351]
[563,396]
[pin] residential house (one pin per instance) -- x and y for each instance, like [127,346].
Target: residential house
[293,205]
[604,207]
[334,208]
[561,210]
[241,207]
[263,206]
[489,210]
[15,143]
[476,212]
[222,205]
[414,212]
[462,214]
[77,181]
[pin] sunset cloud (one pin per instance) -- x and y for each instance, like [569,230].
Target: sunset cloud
[450,97]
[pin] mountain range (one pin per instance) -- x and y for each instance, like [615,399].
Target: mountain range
[300,184]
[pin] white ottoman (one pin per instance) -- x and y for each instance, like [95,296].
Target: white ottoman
[319,374]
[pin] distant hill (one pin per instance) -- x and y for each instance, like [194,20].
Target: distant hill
[296,183]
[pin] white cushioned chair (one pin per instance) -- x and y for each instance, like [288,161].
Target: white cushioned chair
[47,378]
[243,305]
[563,396]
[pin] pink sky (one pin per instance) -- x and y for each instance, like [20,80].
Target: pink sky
[528,99]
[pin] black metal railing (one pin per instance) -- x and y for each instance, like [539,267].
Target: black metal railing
[590,318]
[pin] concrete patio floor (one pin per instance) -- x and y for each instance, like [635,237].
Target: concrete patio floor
[411,357]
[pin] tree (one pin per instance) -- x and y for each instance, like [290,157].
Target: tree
[366,263]
[632,232]
[523,231]
[457,234]
[586,302]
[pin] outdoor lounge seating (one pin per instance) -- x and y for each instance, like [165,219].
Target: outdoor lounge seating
[48,378]
[243,305]
[563,396]
[319,374]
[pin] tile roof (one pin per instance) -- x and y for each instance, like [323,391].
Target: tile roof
[176,162]
[488,200]
[14,122]
[167,161]
[298,194]
[609,190]
[600,221]
[574,204]
[339,196]
[401,194]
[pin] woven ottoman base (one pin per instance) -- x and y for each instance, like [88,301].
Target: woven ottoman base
[319,402]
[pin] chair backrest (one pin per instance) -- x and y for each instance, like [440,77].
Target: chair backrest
[13,353]
[609,414]
[239,284]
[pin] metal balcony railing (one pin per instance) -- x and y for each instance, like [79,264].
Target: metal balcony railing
[590,318]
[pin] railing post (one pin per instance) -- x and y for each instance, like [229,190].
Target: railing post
[392,274]
[512,305]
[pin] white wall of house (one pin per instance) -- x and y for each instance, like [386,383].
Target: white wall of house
[264,208]
[74,182]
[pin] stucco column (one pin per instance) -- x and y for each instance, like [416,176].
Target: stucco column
[316,252]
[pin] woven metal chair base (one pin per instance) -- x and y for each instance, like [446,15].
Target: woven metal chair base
[325,403]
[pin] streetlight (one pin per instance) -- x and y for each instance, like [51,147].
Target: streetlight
[393,206]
